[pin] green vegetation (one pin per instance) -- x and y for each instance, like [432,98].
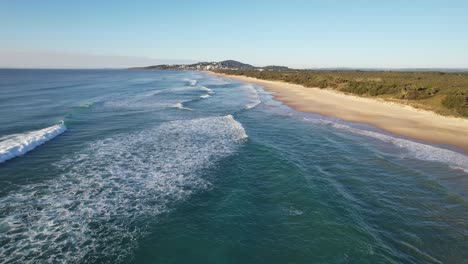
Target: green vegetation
[457,100]
[445,93]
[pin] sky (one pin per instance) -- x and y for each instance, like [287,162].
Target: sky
[294,33]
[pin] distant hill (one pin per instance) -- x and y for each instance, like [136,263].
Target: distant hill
[228,65]
[211,66]
[235,64]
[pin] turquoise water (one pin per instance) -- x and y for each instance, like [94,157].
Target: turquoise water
[109,166]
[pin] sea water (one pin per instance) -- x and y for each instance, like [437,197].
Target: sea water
[121,166]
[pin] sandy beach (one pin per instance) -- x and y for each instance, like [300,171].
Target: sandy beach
[396,118]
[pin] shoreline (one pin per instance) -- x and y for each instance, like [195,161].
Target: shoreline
[399,119]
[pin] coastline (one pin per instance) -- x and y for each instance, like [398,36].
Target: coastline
[400,119]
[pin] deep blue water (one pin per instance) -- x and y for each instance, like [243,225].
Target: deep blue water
[109,166]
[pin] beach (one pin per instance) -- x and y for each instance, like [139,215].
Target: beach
[131,166]
[395,118]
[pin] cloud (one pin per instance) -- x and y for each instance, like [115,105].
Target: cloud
[29,59]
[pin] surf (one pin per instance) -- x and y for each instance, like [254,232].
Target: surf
[205,89]
[414,149]
[106,191]
[14,145]
[181,106]
[252,95]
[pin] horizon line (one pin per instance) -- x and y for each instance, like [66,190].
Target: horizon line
[338,68]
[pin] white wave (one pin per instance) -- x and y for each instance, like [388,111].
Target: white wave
[182,107]
[415,149]
[208,90]
[205,96]
[104,196]
[252,104]
[252,96]
[144,103]
[18,144]
[191,82]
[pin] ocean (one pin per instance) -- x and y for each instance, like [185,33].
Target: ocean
[122,166]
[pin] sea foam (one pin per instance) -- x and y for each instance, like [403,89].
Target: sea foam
[414,149]
[190,82]
[96,208]
[205,89]
[252,95]
[181,106]
[18,144]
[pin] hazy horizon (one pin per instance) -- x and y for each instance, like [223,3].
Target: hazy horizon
[75,61]
[297,34]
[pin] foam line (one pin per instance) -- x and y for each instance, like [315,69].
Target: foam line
[415,149]
[252,95]
[208,90]
[252,104]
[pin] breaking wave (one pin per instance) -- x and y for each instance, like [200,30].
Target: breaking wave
[208,90]
[205,96]
[191,82]
[252,104]
[18,144]
[415,149]
[182,107]
[252,96]
[106,193]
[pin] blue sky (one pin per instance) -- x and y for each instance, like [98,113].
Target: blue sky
[385,34]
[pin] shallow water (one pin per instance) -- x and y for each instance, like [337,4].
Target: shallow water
[108,166]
